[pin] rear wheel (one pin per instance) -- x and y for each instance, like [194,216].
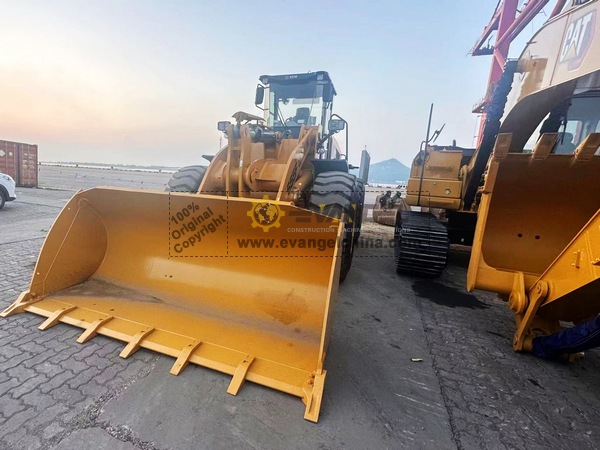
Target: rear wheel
[334,194]
[2,200]
[186,179]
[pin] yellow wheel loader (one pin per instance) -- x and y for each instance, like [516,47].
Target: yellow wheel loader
[537,241]
[236,267]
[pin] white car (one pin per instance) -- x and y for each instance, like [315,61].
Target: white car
[8,191]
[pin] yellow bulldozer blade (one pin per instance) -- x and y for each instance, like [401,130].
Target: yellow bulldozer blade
[245,287]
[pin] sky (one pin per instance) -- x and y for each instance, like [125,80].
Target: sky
[145,82]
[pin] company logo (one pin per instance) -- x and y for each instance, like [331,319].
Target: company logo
[265,214]
[578,40]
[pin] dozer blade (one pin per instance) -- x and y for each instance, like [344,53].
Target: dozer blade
[245,287]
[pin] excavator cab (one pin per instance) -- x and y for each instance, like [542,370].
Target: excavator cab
[573,120]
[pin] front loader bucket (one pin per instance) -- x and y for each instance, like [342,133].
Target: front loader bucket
[204,279]
[531,210]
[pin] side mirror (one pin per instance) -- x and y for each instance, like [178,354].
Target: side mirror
[260,95]
[336,125]
[222,126]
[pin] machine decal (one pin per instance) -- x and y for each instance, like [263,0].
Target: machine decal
[578,40]
[265,214]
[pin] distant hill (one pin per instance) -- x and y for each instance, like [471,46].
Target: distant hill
[389,172]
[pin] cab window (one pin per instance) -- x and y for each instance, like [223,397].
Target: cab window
[581,119]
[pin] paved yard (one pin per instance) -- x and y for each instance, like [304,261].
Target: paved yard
[470,391]
[75,178]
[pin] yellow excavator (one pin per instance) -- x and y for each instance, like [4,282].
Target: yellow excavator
[442,193]
[236,267]
[531,185]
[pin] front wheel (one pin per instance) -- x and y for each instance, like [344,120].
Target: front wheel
[334,194]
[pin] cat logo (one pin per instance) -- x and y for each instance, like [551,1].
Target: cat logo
[578,39]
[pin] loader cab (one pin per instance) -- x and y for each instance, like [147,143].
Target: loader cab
[573,123]
[296,100]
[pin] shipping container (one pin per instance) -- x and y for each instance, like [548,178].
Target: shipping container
[28,165]
[9,158]
[20,161]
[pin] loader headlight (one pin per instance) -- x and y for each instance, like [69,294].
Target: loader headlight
[8,178]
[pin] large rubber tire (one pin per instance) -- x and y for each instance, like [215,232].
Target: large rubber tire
[338,192]
[2,200]
[186,179]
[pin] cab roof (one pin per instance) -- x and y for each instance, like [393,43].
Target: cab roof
[298,78]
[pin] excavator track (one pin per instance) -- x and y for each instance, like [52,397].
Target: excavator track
[421,244]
